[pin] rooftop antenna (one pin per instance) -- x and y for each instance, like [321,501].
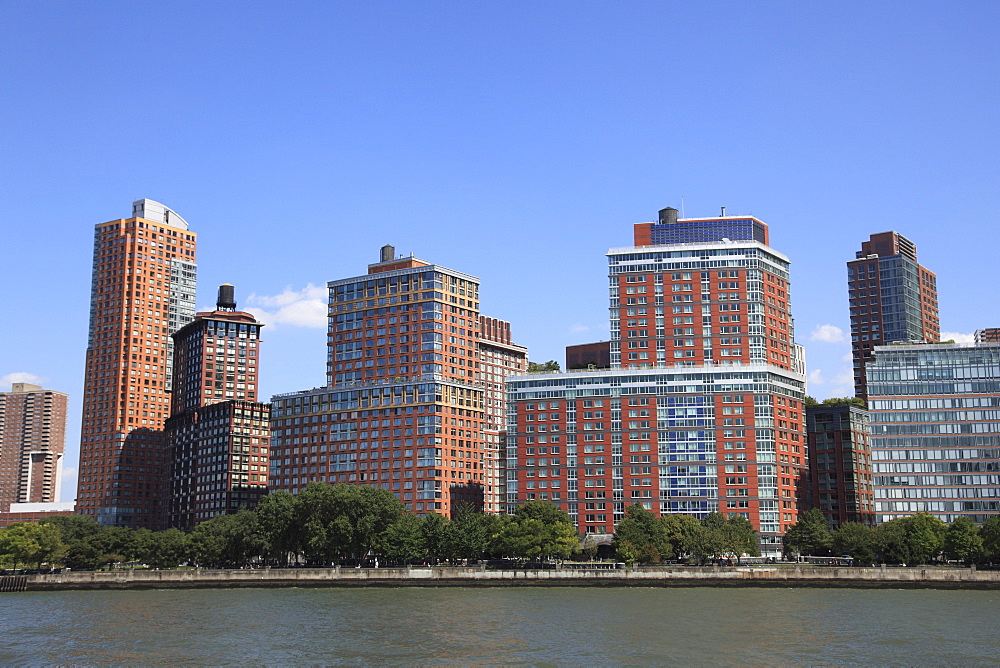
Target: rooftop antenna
[682,207]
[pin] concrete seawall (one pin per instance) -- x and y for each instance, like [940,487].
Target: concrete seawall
[667,576]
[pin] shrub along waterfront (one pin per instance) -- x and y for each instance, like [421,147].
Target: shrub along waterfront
[323,525]
[641,537]
[917,539]
[348,525]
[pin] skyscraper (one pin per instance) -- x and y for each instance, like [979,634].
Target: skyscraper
[217,434]
[142,290]
[893,299]
[935,430]
[32,438]
[411,403]
[702,409]
[499,358]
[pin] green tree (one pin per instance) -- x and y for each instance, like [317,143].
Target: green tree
[435,532]
[683,532]
[520,538]
[343,521]
[281,533]
[710,540]
[892,544]
[646,537]
[855,539]
[231,540]
[990,533]
[73,528]
[163,549]
[916,539]
[84,555]
[403,541]
[810,535]
[31,543]
[836,401]
[927,535]
[471,533]
[119,544]
[551,365]
[207,543]
[740,538]
[625,551]
[84,540]
[539,530]
[962,541]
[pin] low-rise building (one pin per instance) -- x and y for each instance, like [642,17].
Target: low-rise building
[840,466]
[589,355]
[35,512]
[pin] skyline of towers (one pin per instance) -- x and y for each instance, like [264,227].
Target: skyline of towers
[32,440]
[411,402]
[702,293]
[701,410]
[142,290]
[218,433]
[892,298]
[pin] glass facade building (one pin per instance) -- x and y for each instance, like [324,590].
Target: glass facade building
[892,299]
[935,420]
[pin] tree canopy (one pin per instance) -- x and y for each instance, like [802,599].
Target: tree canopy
[810,535]
[644,538]
[329,524]
[836,401]
[30,543]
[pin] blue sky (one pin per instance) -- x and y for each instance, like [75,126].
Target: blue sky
[514,141]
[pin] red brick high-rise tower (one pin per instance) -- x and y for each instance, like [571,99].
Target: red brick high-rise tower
[32,438]
[702,408]
[412,402]
[142,290]
[218,434]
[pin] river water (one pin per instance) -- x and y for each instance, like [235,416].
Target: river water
[519,626]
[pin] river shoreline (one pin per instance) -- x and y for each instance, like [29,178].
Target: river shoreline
[649,576]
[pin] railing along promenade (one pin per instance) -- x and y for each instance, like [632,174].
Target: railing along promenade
[481,576]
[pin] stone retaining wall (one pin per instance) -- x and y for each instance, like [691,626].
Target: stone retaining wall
[650,576]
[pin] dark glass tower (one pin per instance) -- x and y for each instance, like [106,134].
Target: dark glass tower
[893,299]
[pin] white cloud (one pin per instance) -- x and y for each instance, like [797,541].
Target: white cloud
[828,334]
[958,337]
[295,308]
[578,328]
[20,377]
[842,384]
[67,484]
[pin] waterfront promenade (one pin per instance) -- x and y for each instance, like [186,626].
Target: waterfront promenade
[479,576]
